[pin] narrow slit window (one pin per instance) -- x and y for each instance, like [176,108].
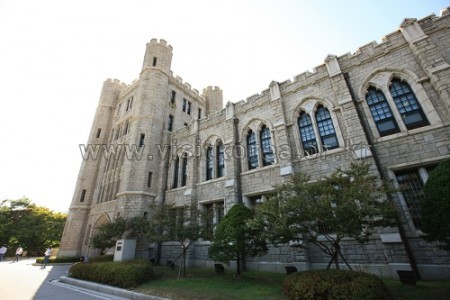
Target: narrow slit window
[307,134]
[252,150]
[141,140]
[176,168]
[184,170]
[99,131]
[326,129]
[83,195]
[266,145]
[220,160]
[173,97]
[155,59]
[149,179]
[199,113]
[170,123]
[209,163]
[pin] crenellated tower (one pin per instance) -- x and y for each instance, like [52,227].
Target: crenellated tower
[92,152]
[214,98]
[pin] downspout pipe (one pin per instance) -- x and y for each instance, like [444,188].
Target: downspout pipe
[383,177]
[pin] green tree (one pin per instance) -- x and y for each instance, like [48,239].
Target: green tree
[33,227]
[179,224]
[349,204]
[107,234]
[435,206]
[233,239]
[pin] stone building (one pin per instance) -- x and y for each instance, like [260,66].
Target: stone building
[159,140]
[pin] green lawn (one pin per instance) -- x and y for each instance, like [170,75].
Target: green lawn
[206,284]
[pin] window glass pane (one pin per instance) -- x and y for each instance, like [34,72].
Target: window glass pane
[252,151]
[266,145]
[220,160]
[407,104]
[326,128]
[381,112]
[307,135]
[412,189]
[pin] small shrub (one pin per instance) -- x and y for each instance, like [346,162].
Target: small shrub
[334,284]
[126,274]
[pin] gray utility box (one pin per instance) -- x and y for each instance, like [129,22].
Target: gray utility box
[124,250]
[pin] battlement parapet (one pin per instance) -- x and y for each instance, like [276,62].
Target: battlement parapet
[116,82]
[211,88]
[186,85]
[160,42]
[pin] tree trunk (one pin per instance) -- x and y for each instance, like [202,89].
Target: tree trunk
[238,264]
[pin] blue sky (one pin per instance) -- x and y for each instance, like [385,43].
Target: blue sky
[55,55]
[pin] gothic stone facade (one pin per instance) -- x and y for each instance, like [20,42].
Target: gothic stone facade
[159,140]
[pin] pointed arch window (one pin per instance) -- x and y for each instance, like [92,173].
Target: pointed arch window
[266,145]
[252,150]
[307,134]
[326,129]
[381,112]
[209,163]
[220,159]
[407,104]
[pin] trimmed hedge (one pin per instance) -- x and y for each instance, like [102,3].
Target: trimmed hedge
[57,260]
[333,285]
[101,258]
[125,274]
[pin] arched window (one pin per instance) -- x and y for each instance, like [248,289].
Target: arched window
[176,168]
[252,150]
[307,134]
[381,112]
[266,146]
[220,159]
[326,129]
[209,163]
[407,104]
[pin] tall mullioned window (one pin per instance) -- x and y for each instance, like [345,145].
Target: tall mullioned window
[381,112]
[252,150]
[209,163]
[411,187]
[307,135]
[407,104]
[176,169]
[266,146]
[326,129]
[220,159]
[184,169]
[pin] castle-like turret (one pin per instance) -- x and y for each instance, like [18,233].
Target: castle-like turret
[87,177]
[214,98]
[159,55]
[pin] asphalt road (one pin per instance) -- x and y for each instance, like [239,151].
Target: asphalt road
[24,281]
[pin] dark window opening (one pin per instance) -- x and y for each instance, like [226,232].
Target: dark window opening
[199,113]
[141,140]
[184,105]
[149,179]
[173,97]
[154,61]
[176,168]
[83,195]
[184,170]
[189,108]
[170,123]
[99,131]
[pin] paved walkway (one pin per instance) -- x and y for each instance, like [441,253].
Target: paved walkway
[25,281]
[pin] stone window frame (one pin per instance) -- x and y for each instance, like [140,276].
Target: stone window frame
[422,171]
[217,206]
[309,106]
[213,143]
[381,80]
[256,126]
